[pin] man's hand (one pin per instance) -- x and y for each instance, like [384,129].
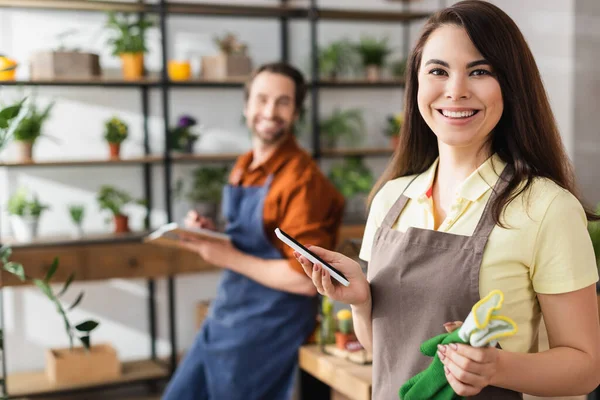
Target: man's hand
[220,253]
[195,220]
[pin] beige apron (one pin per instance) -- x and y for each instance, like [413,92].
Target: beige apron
[421,279]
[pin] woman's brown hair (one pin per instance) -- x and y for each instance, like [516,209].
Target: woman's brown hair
[526,137]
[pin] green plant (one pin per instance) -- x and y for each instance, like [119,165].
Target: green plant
[181,135]
[394,124]
[77,212]
[29,128]
[351,177]
[594,230]
[128,33]
[373,51]
[207,185]
[228,44]
[21,204]
[337,58]
[7,121]
[113,199]
[344,318]
[115,130]
[84,328]
[347,123]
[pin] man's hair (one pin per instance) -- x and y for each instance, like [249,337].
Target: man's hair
[284,69]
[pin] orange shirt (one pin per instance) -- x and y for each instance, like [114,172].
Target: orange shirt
[301,200]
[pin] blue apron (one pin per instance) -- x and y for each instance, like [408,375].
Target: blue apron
[247,347]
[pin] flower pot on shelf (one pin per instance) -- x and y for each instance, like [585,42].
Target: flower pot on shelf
[115,150]
[64,64]
[79,366]
[179,70]
[342,339]
[394,141]
[25,229]
[24,151]
[373,73]
[132,65]
[121,223]
[223,66]
[8,69]
[77,231]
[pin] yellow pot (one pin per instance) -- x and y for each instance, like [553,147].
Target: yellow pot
[132,65]
[8,75]
[179,70]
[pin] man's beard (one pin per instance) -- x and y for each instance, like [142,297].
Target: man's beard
[272,138]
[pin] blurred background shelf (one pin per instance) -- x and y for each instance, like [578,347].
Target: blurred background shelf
[85,162]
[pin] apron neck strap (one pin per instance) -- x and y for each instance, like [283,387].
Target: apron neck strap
[486,222]
[397,208]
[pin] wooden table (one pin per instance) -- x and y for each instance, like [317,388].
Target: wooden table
[347,380]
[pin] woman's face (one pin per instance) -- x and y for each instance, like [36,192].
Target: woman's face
[459,96]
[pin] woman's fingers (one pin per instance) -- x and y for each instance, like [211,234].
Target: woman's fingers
[327,255]
[307,266]
[327,283]
[317,278]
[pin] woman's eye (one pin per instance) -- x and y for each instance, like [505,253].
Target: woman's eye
[479,72]
[438,72]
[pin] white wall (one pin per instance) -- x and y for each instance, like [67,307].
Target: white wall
[31,323]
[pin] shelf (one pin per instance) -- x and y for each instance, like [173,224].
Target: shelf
[217,157]
[358,83]
[36,383]
[211,9]
[74,5]
[237,82]
[65,240]
[368,152]
[373,16]
[89,82]
[83,163]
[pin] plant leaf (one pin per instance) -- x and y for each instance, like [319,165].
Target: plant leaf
[52,270]
[5,253]
[67,284]
[15,269]
[44,287]
[3,122]
[87,326]
[77,301]
[85,341]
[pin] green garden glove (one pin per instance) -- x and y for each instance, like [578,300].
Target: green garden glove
[483,327]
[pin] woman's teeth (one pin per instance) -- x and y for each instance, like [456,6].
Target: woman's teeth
[458,114]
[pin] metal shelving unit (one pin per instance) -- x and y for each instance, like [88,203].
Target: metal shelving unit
[283,11]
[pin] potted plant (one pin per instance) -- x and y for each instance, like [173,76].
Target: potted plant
[112,199]
[182,138]
[128,42]
[336,59]
[8,119]
[25,211]
[347,124]
[115,132]
[77,212]
[393,127]
[65,365]
[354,181]
[345,332]
[29,129]
[205,190]
[327,323]
[232,60]
[373,54]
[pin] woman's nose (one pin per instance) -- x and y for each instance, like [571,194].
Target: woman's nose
[457,88]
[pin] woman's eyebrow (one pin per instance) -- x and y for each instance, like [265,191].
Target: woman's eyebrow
[478,62]
[469,65]
[435,61]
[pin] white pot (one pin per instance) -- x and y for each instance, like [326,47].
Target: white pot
[24,228]
[77,231]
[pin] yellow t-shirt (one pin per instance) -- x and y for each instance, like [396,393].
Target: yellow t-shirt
[545,247]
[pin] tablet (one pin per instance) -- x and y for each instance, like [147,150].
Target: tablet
[290,241]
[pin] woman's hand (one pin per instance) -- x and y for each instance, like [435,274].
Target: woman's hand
[468,369]
[358,291]
[195,220]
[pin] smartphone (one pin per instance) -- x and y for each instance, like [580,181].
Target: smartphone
[290,241]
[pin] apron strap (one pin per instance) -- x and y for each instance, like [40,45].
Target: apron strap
[486,222]
[397,208]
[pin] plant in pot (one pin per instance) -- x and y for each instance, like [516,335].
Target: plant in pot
[232,60]
[354,181]
[25,211]
[77,212]
[393,127]
[204,193]
[337,59]
[327,323]
[182,138]
[128,42]
[373,53]
[112,199]
[115,132]
[8,120]
[29,128]
[345,332]
[74,364]
[342,124]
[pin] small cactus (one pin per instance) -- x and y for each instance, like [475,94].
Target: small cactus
[344,318]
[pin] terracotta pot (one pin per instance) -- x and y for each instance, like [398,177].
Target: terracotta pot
[25,151]
[78,366]
[373,73]
[341,339]
[115,149]
[395,141]
[132,65]
[121,223]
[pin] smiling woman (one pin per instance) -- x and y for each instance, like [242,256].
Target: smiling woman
[479,196]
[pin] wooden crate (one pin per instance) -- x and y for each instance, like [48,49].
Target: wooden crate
[64,64]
